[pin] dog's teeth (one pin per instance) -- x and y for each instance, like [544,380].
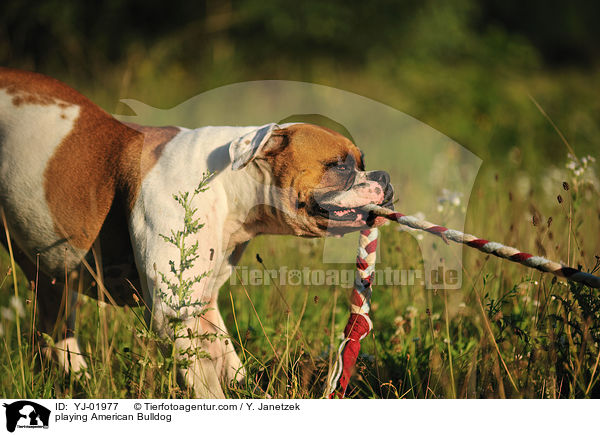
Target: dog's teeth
[344,212]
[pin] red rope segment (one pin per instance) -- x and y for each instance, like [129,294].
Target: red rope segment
[494,248]
[359,324]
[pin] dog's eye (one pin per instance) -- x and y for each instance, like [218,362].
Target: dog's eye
[339,165]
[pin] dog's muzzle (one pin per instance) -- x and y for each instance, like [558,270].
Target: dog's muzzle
[346,206]
[383,178]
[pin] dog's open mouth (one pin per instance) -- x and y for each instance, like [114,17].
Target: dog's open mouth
[358,214]
[341,214]
[355,215]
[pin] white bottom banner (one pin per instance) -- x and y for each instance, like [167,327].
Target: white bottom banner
[298,416]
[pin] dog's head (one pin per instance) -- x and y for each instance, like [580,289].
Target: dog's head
[319,175]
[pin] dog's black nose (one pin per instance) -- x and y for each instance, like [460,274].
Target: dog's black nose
[381,177]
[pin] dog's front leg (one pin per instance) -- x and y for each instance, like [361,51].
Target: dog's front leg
[189,321]
[180,275]
[220,345]
[194,349]
[196,356]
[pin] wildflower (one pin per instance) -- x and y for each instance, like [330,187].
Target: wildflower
[399,321]
[7,314]
[523,185]
[17,305]
[578,166]
[412,311]
[449,197]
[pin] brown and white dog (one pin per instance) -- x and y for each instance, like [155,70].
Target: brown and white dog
[79,187]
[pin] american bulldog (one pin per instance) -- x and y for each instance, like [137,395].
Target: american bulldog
[80,190]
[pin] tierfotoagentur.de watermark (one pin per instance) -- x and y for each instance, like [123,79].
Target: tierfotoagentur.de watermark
[344,278]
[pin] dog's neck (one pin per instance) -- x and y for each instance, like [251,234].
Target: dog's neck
[254,204]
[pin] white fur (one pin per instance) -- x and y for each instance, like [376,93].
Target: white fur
[222,208]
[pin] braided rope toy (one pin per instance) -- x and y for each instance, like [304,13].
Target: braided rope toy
[359,323]
[494,248]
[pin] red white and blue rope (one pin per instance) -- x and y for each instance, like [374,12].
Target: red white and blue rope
[359,324]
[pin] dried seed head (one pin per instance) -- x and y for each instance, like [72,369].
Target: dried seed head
[316,299]
[559,199]
[534,220]
[549,221]
[565,185]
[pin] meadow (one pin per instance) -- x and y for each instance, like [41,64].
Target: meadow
[507,332]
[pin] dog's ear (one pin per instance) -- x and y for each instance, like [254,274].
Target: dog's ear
[259,142]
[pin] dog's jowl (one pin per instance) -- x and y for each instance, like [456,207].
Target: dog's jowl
[81,191]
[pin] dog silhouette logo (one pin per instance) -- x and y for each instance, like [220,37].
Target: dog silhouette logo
[26,414]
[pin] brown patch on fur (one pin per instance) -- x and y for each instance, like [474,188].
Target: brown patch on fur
[20,85]
[294,166]
[155,140]
[27,98]
[97,164]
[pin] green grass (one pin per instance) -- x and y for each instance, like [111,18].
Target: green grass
[508,332]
